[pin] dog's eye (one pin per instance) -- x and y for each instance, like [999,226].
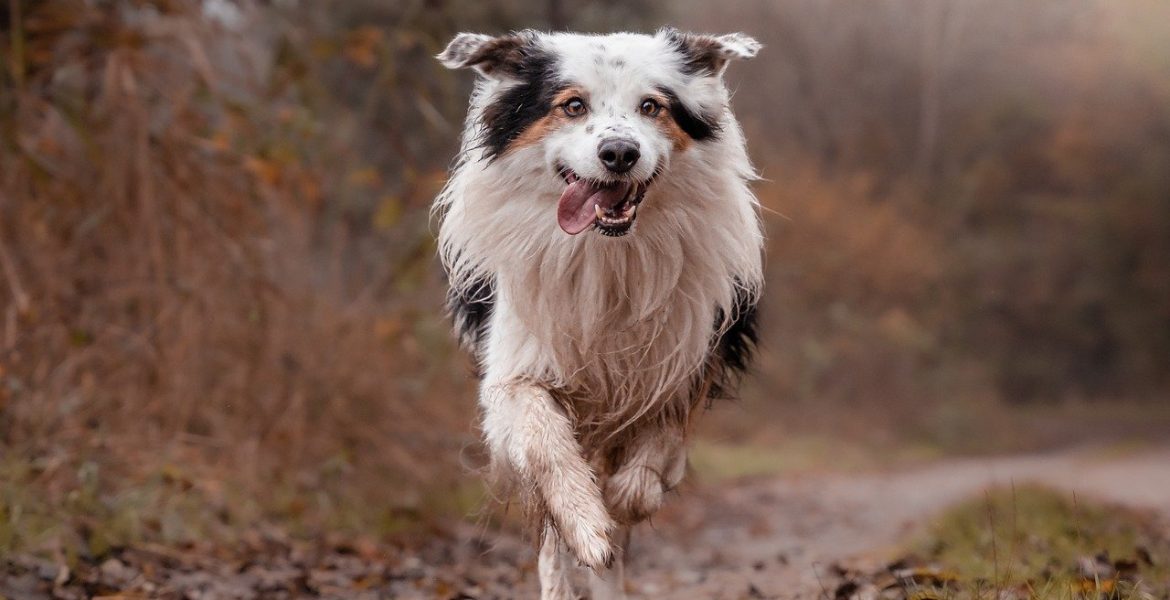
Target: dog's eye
[574,107]
[650,107]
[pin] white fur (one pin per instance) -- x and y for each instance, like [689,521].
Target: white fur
[617,329]
[553,567]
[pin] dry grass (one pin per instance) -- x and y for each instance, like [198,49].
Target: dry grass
[219,304]
[1037,543]
[183,306]
[1026,543]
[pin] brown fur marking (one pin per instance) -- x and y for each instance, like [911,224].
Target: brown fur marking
[549,123]
[670,128]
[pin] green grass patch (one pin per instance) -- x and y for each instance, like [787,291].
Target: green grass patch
[70,509]
[84,509]
[1034,542]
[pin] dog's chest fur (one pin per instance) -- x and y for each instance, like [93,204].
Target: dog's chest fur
[617,329]
[621,329]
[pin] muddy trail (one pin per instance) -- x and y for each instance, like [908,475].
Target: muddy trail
[762,538]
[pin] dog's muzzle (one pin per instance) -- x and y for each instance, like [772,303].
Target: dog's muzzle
[610,206]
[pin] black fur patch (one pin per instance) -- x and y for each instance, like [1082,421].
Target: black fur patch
[698,126]
[471,310]
[735,349]
[524,103]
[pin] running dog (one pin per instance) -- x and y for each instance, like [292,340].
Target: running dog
[604,253]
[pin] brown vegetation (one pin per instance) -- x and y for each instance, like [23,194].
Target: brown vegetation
[218,276]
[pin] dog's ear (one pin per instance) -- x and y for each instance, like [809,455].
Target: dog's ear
[490,56]
[709,54]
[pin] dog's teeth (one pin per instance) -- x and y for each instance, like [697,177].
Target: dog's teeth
[629,212]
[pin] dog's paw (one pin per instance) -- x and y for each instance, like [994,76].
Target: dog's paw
[634,493]
[588,534]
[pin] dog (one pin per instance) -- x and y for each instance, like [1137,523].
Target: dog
[604,255]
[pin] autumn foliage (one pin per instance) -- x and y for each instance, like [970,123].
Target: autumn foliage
[217,260]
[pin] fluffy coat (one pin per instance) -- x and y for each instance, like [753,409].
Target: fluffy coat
[595,350]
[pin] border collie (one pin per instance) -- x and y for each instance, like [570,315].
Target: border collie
[604,256]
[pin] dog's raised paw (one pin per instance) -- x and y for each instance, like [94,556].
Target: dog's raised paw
[589,540]
[634,493]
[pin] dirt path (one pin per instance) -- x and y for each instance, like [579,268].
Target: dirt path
[774,539]
[769,538]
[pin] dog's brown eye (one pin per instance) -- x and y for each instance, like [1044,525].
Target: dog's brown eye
[650,107]
[574,107]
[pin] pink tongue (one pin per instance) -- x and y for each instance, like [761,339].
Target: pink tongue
[575,208]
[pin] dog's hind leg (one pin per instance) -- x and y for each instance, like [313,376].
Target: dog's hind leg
[554,566]
[610,584]
[525,428]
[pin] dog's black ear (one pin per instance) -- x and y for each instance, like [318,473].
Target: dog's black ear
[709,54]
[490,56]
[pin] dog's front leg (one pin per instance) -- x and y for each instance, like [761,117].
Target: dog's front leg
[653,464]
[554,566]
[526,428]
[610,584]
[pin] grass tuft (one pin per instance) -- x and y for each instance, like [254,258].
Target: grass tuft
[1025,543]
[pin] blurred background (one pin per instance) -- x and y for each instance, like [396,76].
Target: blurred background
[219,302]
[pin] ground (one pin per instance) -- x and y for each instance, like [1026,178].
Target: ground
[763,537]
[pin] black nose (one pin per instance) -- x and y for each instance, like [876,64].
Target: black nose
[618,156]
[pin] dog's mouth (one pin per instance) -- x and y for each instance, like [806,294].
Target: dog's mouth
[609,206]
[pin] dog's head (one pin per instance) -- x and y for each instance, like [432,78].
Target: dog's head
[604,115]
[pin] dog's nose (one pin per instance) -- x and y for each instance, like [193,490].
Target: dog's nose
[618,156]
